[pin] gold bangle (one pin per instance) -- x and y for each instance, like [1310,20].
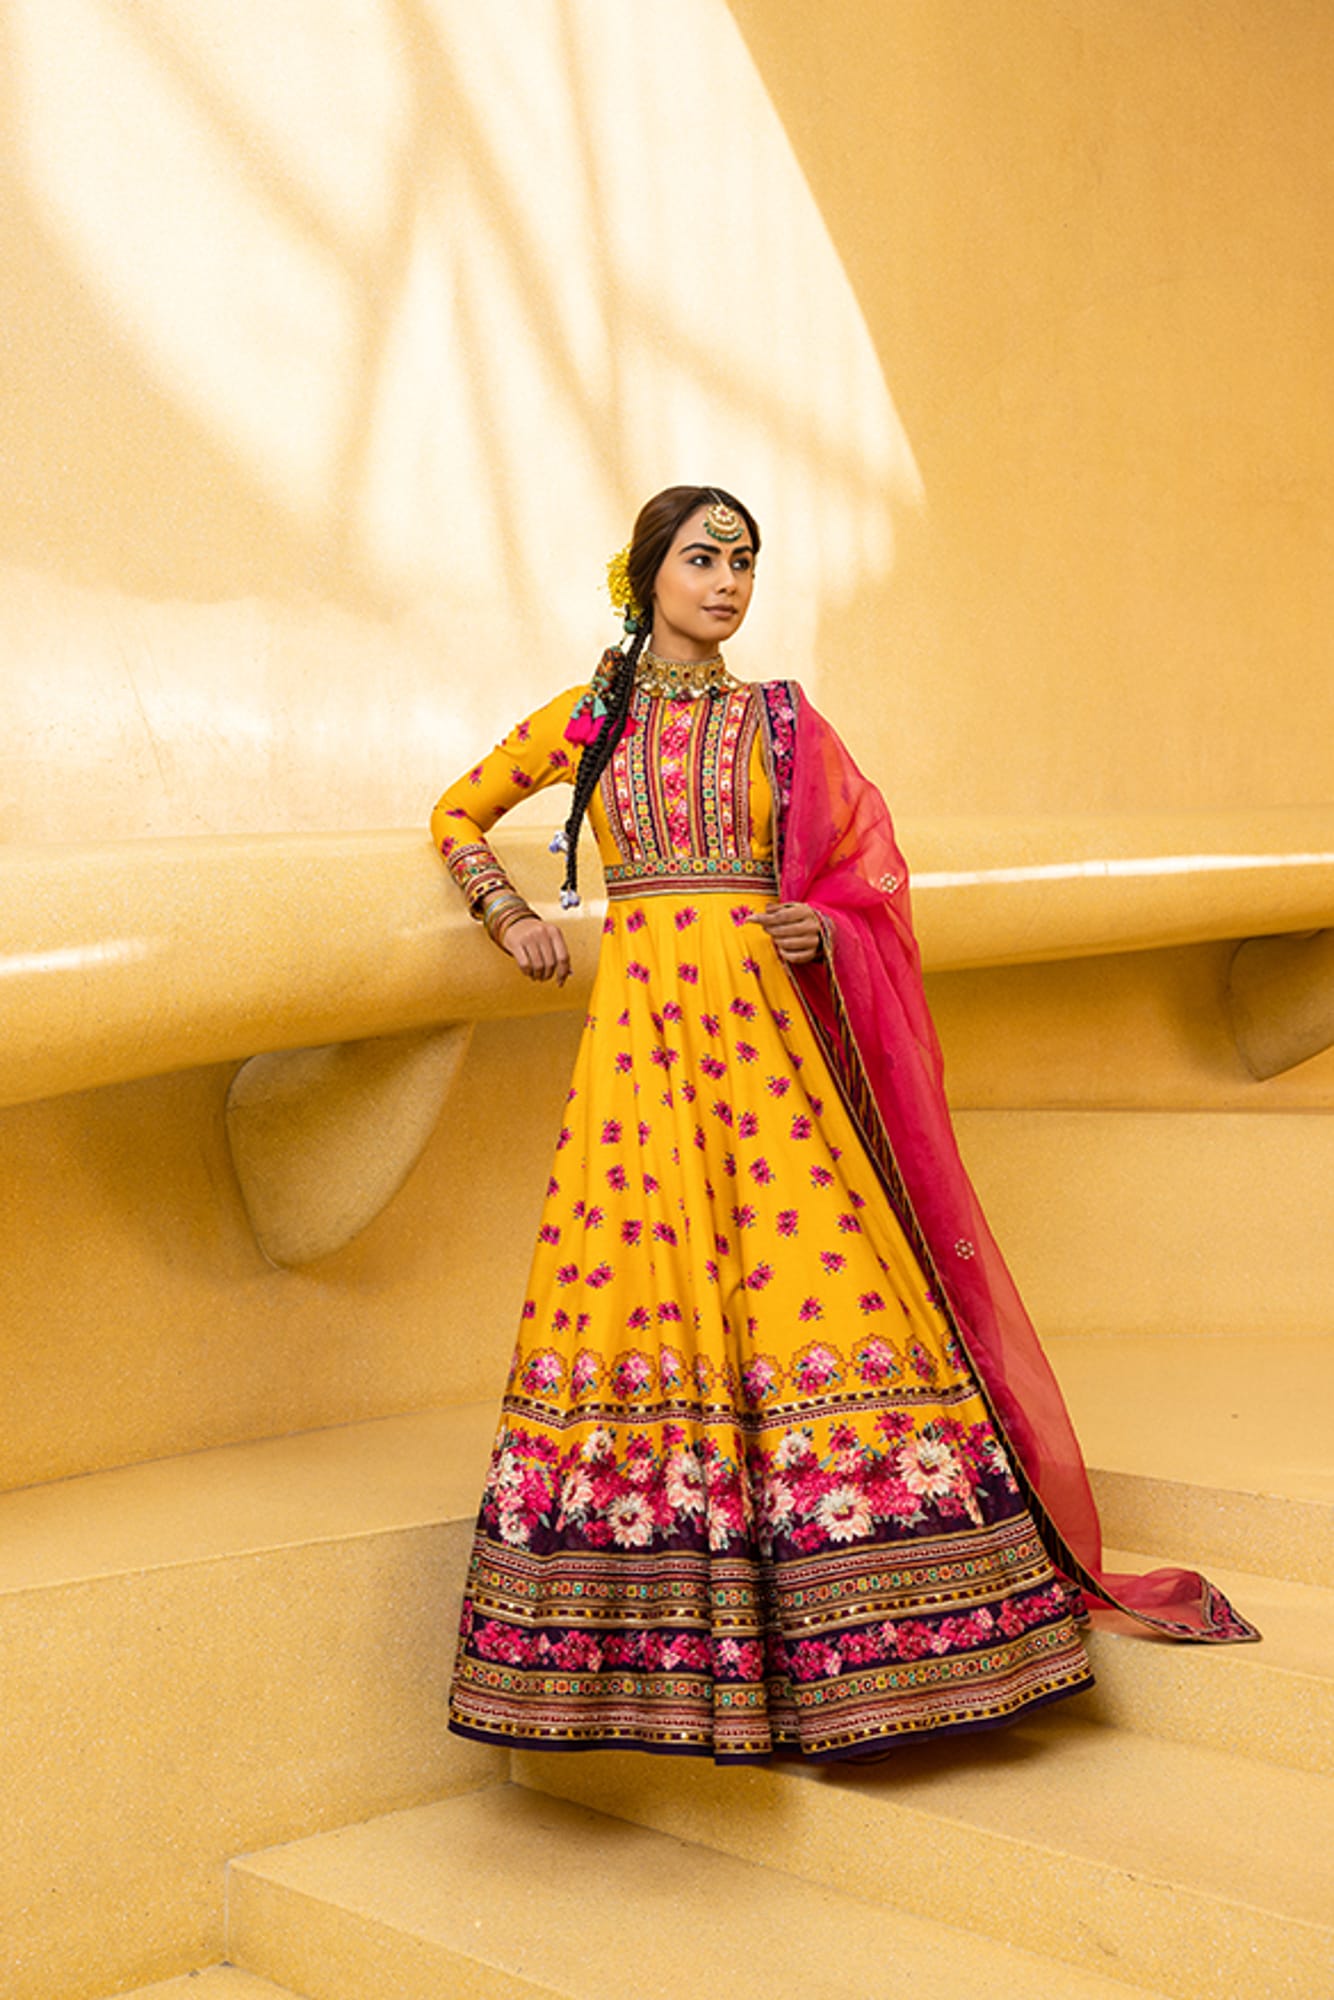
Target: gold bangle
[501,910]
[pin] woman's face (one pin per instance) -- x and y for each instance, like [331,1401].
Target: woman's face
[702,591]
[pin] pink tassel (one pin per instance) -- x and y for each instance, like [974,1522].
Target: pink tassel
[581,728]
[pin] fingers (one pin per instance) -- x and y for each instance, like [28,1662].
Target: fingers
[539,950]
[781,917]
[795,930]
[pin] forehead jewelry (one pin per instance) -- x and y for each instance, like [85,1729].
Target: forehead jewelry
[724,523]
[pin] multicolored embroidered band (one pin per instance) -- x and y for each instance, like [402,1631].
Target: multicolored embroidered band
[688,874]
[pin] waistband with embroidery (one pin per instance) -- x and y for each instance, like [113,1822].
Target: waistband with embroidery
[690,875]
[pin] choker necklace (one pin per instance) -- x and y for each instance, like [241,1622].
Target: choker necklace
[681,680]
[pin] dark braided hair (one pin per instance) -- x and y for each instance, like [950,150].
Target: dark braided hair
[656,527]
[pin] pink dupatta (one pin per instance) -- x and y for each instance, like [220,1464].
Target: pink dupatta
[836,851]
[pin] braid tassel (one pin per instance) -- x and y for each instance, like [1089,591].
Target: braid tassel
[616,675]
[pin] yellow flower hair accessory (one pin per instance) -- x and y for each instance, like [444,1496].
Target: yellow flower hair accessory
[618,588]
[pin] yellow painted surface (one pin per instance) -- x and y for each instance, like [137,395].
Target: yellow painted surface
[323,1139]
[1135,1030]
[141,1319]
[169,1331]
[1084,241]
[1221,1889]
[488,1898]
[206,1655]
[1145,1222]
[367,332]
[339,347]
[126,959]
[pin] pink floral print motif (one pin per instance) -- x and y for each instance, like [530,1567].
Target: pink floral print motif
[922,1362]
[817,1366]
[876,1362]
[761,1378]
[586,1372]
[543,1372]
[631,1374]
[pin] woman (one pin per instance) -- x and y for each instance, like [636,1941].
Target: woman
[781,1468]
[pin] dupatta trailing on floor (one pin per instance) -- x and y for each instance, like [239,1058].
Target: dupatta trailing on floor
[836,851]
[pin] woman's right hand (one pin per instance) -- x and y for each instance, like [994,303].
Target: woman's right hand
[538,949]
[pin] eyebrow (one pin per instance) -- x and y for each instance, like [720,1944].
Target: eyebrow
[714,548]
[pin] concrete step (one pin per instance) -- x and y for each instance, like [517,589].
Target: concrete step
[217,1982]
[1209,1449]
[1190,1871]
[509,1895]
[209,1654]
[1274,1701]
[302,1597]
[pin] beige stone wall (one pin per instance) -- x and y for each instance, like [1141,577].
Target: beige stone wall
[1084,239]
[337,352]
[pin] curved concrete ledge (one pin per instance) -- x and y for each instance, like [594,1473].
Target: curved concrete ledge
[323,1139]
[134,958]
[1281,999]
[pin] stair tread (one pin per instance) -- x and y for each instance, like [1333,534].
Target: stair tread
[510,1877]
[1229,1826]
[316,1486]
[1247,1415]
[217,1982]
[1221,1825]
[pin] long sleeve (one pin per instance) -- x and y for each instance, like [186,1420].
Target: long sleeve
[534,755]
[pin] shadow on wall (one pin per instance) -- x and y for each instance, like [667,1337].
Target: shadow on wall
[383,304]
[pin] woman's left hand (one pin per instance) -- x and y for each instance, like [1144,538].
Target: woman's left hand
[795,930]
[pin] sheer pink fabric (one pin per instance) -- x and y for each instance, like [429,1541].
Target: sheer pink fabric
[839,854]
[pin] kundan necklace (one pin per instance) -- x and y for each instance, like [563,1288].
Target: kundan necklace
[681,680]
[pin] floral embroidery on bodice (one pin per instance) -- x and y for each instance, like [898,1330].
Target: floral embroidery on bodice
[685,792]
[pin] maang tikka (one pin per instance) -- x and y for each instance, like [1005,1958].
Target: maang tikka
[724,523]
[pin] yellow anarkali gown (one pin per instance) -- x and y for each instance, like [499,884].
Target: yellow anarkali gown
[746,1495]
